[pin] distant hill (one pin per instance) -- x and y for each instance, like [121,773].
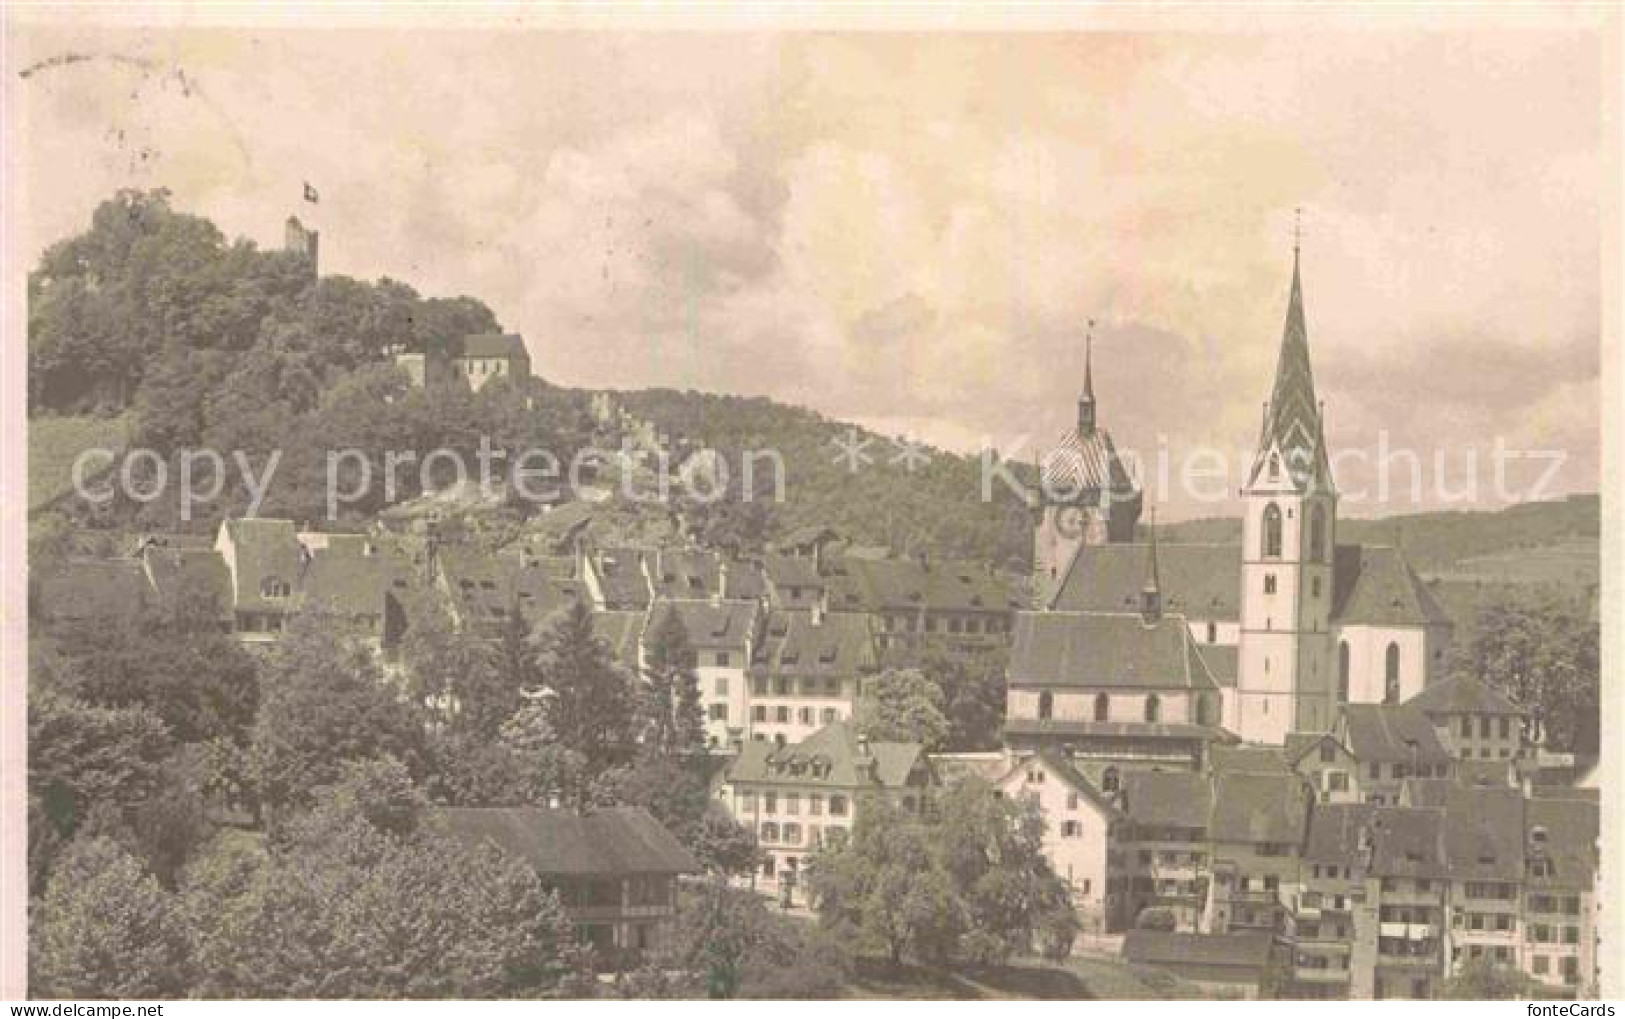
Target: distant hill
[936,506]
[1482,542]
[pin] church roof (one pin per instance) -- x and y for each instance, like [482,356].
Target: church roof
[1292,421]
[1198,581]
[1106,650]
[1375,586]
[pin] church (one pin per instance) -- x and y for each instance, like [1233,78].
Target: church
[1147,654]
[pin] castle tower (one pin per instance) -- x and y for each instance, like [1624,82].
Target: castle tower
[300,241]
[1086,496]
[1285,678]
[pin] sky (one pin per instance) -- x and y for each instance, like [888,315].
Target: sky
[912,230]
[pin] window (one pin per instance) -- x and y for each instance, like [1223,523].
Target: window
[1046,705]
[1153,708]
[722,658]
[1317,536]
[1314,587]
[1071,829]
[792,803]
[1204,710]
[1506,727]
[719,712]
[1390,684]
[1337,781]
[1275,467]
[770,831]
[815,804]
[1072,801]
[1108,780]
[1272,531]
[1343,671]
[804,716]
[1328,753]
[758,713]
[1483,727]
[274,587]
[827,715]
[1466,727]
[781,714]
[1269,583]
[837,806]
[770,803]
[1102,707]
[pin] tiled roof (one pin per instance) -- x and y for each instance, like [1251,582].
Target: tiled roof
[1396,733]
[486,588]
[1223,661]
[1334,832]
[1408,842]
[1242,949]
[1167,799]
[1375,586]
[1293,423]
[1463,695]
[1570,828]
[791,571]
[878,585]
[265,549]
[620,576]
[831,757]
[1300,743]
[1197,581]
[724,624]
[1252,807]
[349,576]
[563,843]
[1126,730]
[1484,833]
[1248,757]
[1063,769]
[1100,650]
[841,644]
[180,573]
[1085,464]
[494,345]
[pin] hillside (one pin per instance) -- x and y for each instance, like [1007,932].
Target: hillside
[55,442]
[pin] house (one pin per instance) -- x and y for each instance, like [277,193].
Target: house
[793,581]
[1326,764]
[1164,857]
[801,796]
[482,591]
[1227,964]
[265,561]
[1255,836]
[614,579]
[807,671]
[482,357]
[1560,906]
[1079,827]
[615,870]
[723,635]
[1391,742]
[1474,721]
[920,603]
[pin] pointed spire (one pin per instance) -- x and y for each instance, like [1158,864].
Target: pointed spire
[1292,419]
[1086,400]
[1151,593]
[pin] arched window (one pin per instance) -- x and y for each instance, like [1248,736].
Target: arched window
[1343,672]
[1046,705]
[1153,708]
[1390,675]
[1272,531]
[1102,707]
[1108,780]
[1317,534]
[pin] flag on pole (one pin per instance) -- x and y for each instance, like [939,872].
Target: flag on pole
[310,193]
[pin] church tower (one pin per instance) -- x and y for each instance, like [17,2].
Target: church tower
[1085,495]
[1285,679]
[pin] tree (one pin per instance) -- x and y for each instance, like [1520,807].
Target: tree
[727,944]
[364,897]
[973,694]
[879,889]
[326,703]
[588,700]
[1542,654]
[902,705]
[1483,979]
[108,929]
[1156,918]
[672,720]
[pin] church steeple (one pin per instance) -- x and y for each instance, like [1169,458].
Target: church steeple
[1293,429]
[1151,592]
[1086,400]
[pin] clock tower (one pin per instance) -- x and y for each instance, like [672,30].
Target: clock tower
[1085,495]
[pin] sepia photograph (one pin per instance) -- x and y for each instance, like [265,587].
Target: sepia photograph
[550,502]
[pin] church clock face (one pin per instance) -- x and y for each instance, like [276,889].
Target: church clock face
[1070,522]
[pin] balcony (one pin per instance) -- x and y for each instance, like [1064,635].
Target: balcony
[1320,975]
[1406,931]
[1260,895]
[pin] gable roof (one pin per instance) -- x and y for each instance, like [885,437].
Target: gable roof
[1255,807]
[264,549]
[1057,764]
[1242,949]
[1077,649]
[845,761]
[619,572]
[1484,833]
[1167,799]
[563,843]
[494,345]
[1334,832]
[1396,733]
[1299,744]
[1197,581]
[1375,586]
[785,571]
[1408,842]
[898,584]
[177,574]
[793,644]
[347,575]
[1463,695]
[1570,827]
[1250,758]
[486,588]
[722,624]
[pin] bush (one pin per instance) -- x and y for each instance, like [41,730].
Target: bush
[1156,918]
